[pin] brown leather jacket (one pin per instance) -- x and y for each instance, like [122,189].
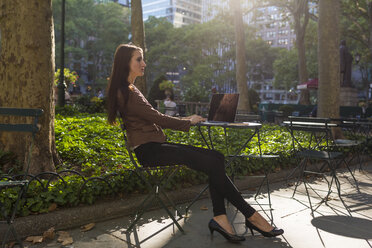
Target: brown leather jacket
[144,123]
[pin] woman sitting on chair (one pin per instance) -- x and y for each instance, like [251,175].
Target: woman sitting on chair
[144,131]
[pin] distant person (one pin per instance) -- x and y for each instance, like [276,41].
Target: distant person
[314,111]
[170,106]
[100,94]
[145,136]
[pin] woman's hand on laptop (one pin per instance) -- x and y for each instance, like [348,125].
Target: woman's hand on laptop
[195,119]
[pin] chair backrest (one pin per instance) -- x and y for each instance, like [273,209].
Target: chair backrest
[22,127]
[129,150]
[318,129]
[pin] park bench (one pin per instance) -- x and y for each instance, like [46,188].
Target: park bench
[20,181]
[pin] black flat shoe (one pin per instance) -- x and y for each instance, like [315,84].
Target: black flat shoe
[272,233]
[214,226]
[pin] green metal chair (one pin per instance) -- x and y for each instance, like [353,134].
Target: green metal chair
[7,181]
[320,148]
[155,179]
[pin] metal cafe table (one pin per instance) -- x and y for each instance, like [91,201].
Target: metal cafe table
[255,127]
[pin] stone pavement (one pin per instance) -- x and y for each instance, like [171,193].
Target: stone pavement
[330,227]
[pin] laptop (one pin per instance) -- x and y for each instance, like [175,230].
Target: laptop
[223,108]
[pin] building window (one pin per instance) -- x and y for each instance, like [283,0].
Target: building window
[283,42]
[270,34]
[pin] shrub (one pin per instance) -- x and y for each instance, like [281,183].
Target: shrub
[286,109]
[91,105]
[87,144]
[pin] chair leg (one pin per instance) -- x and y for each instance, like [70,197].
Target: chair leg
[269,197]
[308,198]
[338,186]
[352,175]
[196,198]
[300,175]
[12,231]
[171,215]
[139,214]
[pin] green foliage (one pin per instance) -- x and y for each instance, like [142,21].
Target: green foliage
[287,110]
[67,110]
[88,104]
[286,69]
[87,144]
[196,93]
[9,163]
[155,92]
[166,84]
[71,77]
[109,25]
[254,97]
[203,53]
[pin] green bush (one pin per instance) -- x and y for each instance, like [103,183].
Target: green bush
[91,105]
[67,110]
[286,109]
[87,144]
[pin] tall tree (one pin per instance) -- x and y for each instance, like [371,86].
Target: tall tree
[26,75]
[93,31]
[357,23]
[329,59]
[241,64]
[299,10]
[138,37]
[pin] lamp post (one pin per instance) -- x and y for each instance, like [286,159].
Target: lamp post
[61,85]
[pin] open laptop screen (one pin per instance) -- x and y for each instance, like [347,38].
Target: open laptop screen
[223,107]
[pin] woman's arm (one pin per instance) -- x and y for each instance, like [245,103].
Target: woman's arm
[138,105]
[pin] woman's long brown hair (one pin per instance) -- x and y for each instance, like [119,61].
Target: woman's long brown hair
[119,79]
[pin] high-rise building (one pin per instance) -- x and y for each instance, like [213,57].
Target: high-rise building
[273,26]
[178,12]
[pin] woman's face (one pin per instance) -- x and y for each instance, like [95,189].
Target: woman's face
[137,65]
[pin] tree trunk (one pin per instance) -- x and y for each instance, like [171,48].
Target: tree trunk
[138,38]
[329,59]
[27,75]
[301,12]
[241,64]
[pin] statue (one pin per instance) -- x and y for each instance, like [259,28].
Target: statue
[346,60]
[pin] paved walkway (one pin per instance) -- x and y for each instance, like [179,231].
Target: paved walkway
[330,227]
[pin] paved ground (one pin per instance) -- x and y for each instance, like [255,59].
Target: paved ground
[330,227]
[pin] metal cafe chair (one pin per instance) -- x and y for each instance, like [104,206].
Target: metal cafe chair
[318,135]
[155,179]
[354,143]
[20,182]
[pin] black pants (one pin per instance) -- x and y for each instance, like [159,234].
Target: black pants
[208,161]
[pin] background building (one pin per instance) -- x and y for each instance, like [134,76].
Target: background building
[272,25]
[178,12]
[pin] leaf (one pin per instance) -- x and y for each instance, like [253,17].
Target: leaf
[68,241]
[52,207]
[204,208]
[87,227]
[64,238]
[49,234]
[35,239]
